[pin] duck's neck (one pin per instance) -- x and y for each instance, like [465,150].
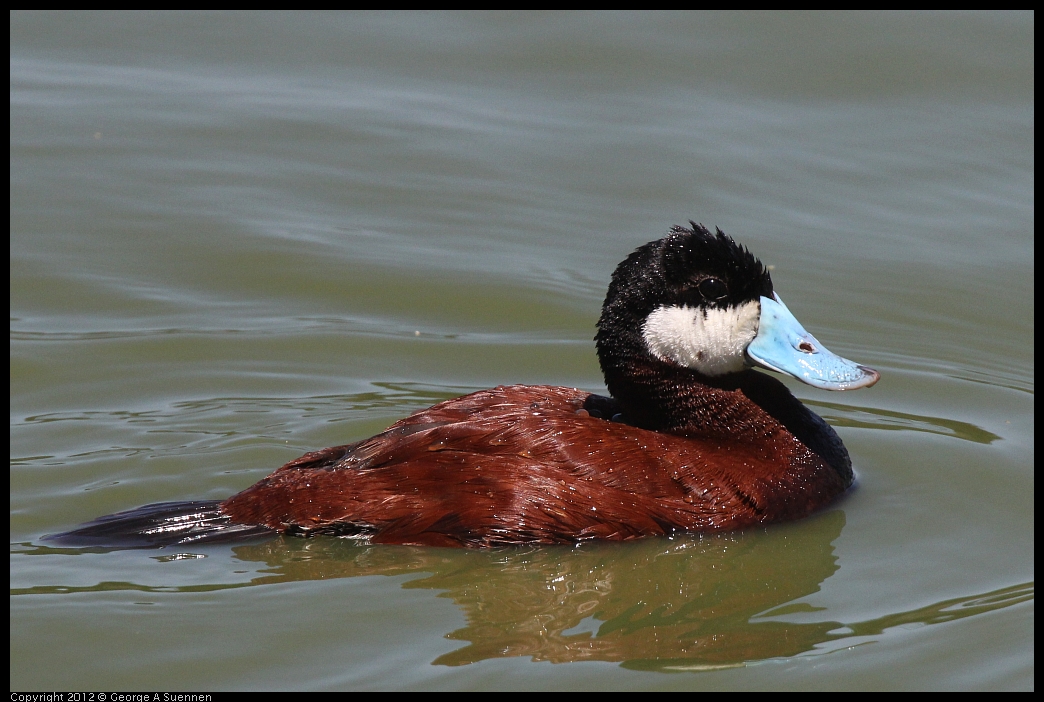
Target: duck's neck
[664,397]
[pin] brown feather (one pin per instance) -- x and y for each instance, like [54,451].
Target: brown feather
[453,475]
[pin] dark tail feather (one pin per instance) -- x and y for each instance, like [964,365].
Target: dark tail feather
[158,525]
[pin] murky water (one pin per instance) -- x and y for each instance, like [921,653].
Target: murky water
[236,238]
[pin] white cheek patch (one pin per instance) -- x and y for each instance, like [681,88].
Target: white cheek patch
[710,341]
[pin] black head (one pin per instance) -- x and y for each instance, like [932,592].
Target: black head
[689,272]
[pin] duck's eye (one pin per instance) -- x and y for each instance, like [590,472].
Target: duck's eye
[712,288]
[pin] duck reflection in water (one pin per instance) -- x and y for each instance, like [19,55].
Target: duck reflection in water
[689,602]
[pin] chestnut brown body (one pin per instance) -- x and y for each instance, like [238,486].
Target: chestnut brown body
[455,475]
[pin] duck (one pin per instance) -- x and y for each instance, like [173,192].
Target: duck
[693,437]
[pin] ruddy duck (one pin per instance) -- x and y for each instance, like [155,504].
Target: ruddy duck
[691,439]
